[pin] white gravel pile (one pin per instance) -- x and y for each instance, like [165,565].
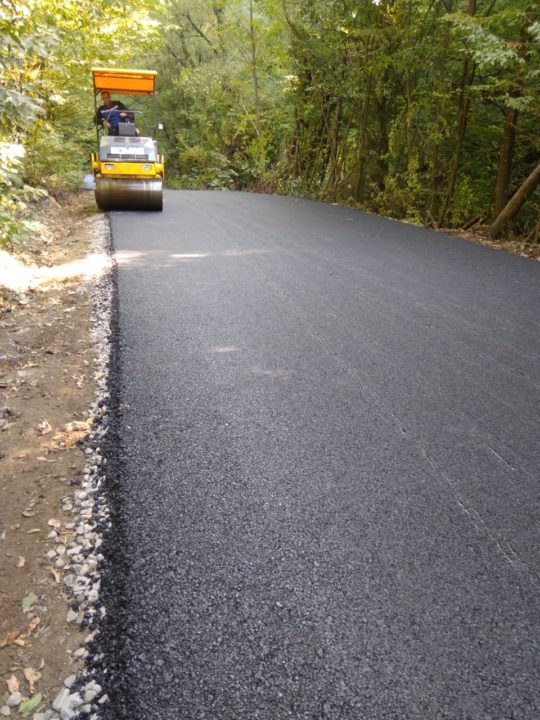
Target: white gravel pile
[77,553]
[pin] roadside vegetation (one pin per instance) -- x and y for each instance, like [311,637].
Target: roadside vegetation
[422,110]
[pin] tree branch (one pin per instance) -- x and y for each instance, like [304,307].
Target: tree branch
[198,30]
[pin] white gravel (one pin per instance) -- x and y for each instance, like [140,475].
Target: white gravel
[78,555]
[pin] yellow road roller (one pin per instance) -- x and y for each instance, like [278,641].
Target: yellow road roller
[127,168]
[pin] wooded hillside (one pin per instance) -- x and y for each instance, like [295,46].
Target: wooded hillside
[423,110]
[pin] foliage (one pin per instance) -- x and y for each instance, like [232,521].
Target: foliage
[420,110]
[55,157]
[221,78]
[14,195]
[205,169]
[401,107]
[47,48]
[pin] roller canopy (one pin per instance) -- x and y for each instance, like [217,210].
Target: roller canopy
[128,82]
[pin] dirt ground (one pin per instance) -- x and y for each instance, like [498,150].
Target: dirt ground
[517,246]
[46,382]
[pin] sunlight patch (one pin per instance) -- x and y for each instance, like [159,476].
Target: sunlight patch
[269,372]
[17,276]
[221,349]
[124,257]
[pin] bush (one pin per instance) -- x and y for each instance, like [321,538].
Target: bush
[52,160]
[203,169]
[14,195]
[398,199]
[465,203]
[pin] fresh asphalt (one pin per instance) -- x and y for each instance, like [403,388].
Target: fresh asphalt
[327,440]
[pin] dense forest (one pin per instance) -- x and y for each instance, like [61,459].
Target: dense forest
[421,110]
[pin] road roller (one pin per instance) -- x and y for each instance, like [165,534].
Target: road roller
[127,167]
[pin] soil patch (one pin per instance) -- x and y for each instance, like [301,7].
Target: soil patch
[520,246]
[46,387]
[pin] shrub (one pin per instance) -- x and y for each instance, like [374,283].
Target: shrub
[15,195]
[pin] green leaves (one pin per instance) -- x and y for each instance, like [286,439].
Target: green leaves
[27,37]
[359,102]
[28,601]
[224,98]
[31,704]
[487,49]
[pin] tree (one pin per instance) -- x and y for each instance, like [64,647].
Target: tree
[425,110]
[515,204]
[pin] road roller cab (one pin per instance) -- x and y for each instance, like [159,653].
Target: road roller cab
[127,166]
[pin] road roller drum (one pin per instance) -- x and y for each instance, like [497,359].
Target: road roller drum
[119,194]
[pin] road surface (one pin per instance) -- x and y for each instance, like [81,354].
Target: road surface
[326,504]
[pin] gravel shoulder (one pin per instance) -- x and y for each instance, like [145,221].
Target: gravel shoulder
[50,375]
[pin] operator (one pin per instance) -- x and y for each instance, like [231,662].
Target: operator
[111,113]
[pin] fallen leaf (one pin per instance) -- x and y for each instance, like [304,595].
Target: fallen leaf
[21,561]
[32,625]
[77,425]
[73,437]
[10,638]
[53,522]
[30,704]
[12,683]
[21,456]
[57,575]
[28,601]
[33,530]
[45,427]
[32,676]
[42,664]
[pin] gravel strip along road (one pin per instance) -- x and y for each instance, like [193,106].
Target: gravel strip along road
[327,499]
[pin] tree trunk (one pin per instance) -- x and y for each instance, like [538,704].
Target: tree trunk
[437,170]
[335,139]
[317,156]
[437,175]
[297,139]
[330,190]
[254,73]
[467,77]
[464,105]
[409,115]
[504,169]
[361,142]
[514,205]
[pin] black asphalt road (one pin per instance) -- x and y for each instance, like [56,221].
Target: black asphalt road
[328,503]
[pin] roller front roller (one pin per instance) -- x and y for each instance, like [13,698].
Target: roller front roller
[123,194]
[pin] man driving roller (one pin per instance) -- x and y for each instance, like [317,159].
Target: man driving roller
[111,113]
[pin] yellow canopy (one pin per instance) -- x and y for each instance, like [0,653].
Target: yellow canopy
[129,82]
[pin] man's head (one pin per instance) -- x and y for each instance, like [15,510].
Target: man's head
[106,97]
